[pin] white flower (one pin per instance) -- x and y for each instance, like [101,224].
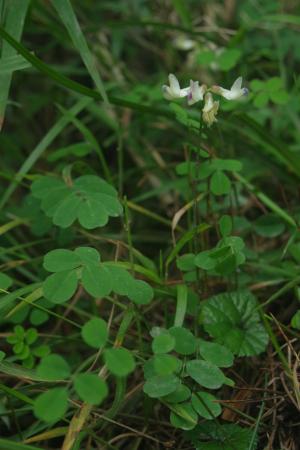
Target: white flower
[173,91]
[210,110]
[236,91]
[196,93]
[184,43]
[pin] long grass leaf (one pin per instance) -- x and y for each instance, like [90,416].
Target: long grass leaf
[69,19]
[5,444]
[41,147]
[78,87]
[16,13]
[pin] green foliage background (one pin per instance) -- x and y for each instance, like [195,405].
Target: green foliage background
[149,265]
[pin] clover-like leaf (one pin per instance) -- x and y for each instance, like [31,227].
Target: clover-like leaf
[97,280]
[161,385]
[61,259]
[94,332]
[51,405]
[89,199]
[60,286]
[183,416]
[90,388]
[119,361]
[205,373]
[206,405]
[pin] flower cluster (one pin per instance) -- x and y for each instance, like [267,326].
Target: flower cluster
[196,93]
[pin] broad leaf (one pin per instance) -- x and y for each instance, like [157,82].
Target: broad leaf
[205,373]
[90,388]
[60,287]
[52,405]
[233,320]
[119,361]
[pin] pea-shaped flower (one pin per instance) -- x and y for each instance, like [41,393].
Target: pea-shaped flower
[235,92]
[173,91]
[196,92]
[210,109]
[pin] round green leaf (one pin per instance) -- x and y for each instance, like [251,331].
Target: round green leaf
[140,292]
[52,405]
[232,319]
[220,183]
[269,226]
[206,405]
[160,386]
[37,317]
[205,373]
[31,336]
[119,361]
[87,255]
[90,388]
[181,394]
[96,280]
[92,183]
[163,343]
[60,287]
[229,58]
[53,367]
[91,213]
[204,260]
[216,354]
[261,99]
[111,204]
[166,364]
[95,333]
[123,281]
[41,187]
[66,213]
[183,416]
[185,341]
[60,260]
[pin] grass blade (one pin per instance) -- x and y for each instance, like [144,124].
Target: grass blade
[78,87]
[41,147]
[16,13]
[5,444]
[69,19]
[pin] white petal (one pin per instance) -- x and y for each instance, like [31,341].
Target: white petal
[237,84]
[174,84]
[185,91]
[166,92]
[208,102]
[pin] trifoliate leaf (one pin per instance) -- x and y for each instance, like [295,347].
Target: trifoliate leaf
[89,199]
